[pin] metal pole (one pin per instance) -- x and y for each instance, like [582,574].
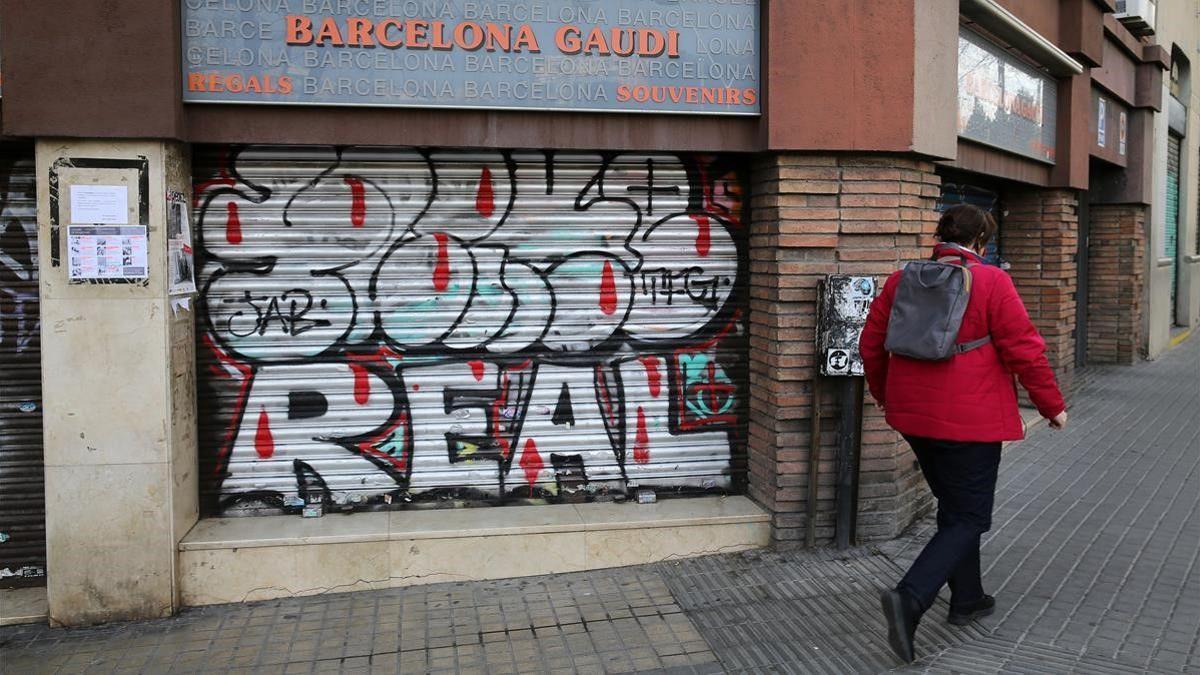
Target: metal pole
[849,451]
[814,462]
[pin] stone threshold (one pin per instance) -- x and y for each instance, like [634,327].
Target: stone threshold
[23,605]
[257,558]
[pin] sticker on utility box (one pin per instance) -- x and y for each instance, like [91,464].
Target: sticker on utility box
[845,301]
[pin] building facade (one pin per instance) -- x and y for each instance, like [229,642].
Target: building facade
[475,282]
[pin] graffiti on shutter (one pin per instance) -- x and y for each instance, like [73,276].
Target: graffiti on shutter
[382,324]
[22,487]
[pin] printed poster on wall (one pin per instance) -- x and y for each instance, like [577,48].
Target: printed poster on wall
[181,264]
[107,253]
[698,56]
[101,243]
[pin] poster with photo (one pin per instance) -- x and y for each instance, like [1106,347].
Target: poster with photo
[107,253]
[180,258]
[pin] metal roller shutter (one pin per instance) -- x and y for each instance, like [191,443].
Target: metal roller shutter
[1171,239]
[22,485]
[387,325]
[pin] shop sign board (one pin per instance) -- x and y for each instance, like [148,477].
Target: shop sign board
[652,56]
[1003,102]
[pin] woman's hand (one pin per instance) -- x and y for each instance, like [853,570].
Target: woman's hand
[1059,421]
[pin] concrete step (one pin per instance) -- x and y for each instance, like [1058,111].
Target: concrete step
[244,559]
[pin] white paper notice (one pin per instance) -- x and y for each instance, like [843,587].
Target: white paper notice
[100,204]
[107,252]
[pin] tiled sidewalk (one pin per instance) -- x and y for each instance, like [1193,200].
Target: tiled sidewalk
[1093,560]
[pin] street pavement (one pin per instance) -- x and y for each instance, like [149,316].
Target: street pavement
[1092,559]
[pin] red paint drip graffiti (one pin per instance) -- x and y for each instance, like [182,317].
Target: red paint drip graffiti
[485,196]
[477,370]
[531,462]
[703,234]
[441,270]
[358,201]
[264,442]
[362,383]
[608,290]
[641,443]
[233,224]
[653,377]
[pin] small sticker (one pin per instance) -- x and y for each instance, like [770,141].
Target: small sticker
[4,537]
[864,287]
[838,361]
[27,406]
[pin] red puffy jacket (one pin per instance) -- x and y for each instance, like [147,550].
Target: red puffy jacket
[971,396]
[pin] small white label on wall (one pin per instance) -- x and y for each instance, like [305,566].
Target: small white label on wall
[100,204]
[1123,133]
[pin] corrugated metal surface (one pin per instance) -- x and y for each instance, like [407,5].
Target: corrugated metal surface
[22,487]
[388,325]
[1171,212]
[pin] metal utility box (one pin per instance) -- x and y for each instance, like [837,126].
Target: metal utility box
[844,302]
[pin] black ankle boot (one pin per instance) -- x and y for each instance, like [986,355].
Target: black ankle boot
[900,615]
[961,615]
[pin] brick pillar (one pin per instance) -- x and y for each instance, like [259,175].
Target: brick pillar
[1040,238]
[1116,269]
[813,215]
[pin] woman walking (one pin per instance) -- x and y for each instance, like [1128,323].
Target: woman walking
[955,413]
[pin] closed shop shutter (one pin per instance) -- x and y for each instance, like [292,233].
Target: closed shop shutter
[381,326]
[22,496]
[1171,238]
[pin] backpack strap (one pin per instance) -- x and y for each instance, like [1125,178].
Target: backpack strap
[964,347]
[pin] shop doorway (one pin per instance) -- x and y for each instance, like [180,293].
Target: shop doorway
[961,191]
[1171,216]
[22,483]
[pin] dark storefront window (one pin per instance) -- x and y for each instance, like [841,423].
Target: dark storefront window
[958,193]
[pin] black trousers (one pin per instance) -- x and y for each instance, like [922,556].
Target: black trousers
[962,477]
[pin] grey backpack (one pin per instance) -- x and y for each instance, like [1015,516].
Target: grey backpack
[928,309]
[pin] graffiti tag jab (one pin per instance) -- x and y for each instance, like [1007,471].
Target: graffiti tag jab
[383,324]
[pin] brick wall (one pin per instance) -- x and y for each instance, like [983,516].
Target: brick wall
[1116,260]
[1040,238]
[813,215]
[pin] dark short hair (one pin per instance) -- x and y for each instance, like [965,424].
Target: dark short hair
[966,225]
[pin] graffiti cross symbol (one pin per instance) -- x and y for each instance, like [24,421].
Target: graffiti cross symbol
[717,391]
[650,190]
